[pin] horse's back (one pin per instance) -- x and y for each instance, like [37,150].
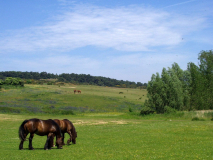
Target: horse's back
[41,127]
[68,124]
[61,124]
[31,124]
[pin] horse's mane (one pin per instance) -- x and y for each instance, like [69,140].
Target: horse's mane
[55,124]
[73,131]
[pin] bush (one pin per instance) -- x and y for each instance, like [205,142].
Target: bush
[168,109]
[197,119]
[13,82]
[130,109]
[146,111]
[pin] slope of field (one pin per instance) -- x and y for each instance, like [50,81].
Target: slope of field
[61,99]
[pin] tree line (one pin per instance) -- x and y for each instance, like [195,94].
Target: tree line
[72,78]
[177,89]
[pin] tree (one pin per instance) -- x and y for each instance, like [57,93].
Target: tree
[206,68]
[155,93]
[166,90]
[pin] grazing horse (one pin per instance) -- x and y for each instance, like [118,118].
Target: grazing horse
[79,91]
[41,128]
[75,91]
[66,127]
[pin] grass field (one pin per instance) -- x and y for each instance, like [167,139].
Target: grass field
[111,133]
[43,98]
[114,137]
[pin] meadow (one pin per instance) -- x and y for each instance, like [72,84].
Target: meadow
[43,98]
[103,133]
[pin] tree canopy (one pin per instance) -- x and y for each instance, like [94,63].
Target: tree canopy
[191,89]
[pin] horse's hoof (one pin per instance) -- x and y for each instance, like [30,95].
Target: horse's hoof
[68,142]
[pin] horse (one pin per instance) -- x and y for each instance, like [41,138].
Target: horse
[79,91]
[75,91]
[66,127]
[41,128]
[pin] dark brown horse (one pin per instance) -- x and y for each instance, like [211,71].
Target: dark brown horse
[66,127]
[75,91]
[41,128]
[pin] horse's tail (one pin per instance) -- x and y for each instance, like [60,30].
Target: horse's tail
[22,130]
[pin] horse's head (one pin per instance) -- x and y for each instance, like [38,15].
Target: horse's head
[74,136]
[59,143]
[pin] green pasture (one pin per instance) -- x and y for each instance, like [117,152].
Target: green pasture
[112,136]
[45,98]
[106,129]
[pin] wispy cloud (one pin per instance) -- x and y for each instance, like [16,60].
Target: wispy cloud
[125,28]
[177,4]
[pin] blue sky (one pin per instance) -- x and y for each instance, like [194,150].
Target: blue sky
[125,40]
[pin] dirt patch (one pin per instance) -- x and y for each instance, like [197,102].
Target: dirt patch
[119,122]
[100,122]
[4,117]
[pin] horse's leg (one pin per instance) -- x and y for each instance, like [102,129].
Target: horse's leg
[22,142]
[50,143]
[47,144]
[69,140]
[52,140]
[63,138]
[30,141]
[21,145]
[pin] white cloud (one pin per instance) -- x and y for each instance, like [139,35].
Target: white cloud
[125,28]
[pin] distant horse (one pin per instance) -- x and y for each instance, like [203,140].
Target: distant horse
[66,127]
[79,91]
[41,128]
[75,91]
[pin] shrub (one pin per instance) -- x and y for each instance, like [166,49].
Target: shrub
[197,119]
[146,111]
[168,109]
[49,83]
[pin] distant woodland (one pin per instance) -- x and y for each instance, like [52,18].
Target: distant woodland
[50,78]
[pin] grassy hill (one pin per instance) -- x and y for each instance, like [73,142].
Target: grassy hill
[61,99]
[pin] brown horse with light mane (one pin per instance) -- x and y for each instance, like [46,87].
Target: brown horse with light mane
[41,128]
[66,127]
[79,91]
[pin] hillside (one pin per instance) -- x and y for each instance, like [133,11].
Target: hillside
[53,99]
